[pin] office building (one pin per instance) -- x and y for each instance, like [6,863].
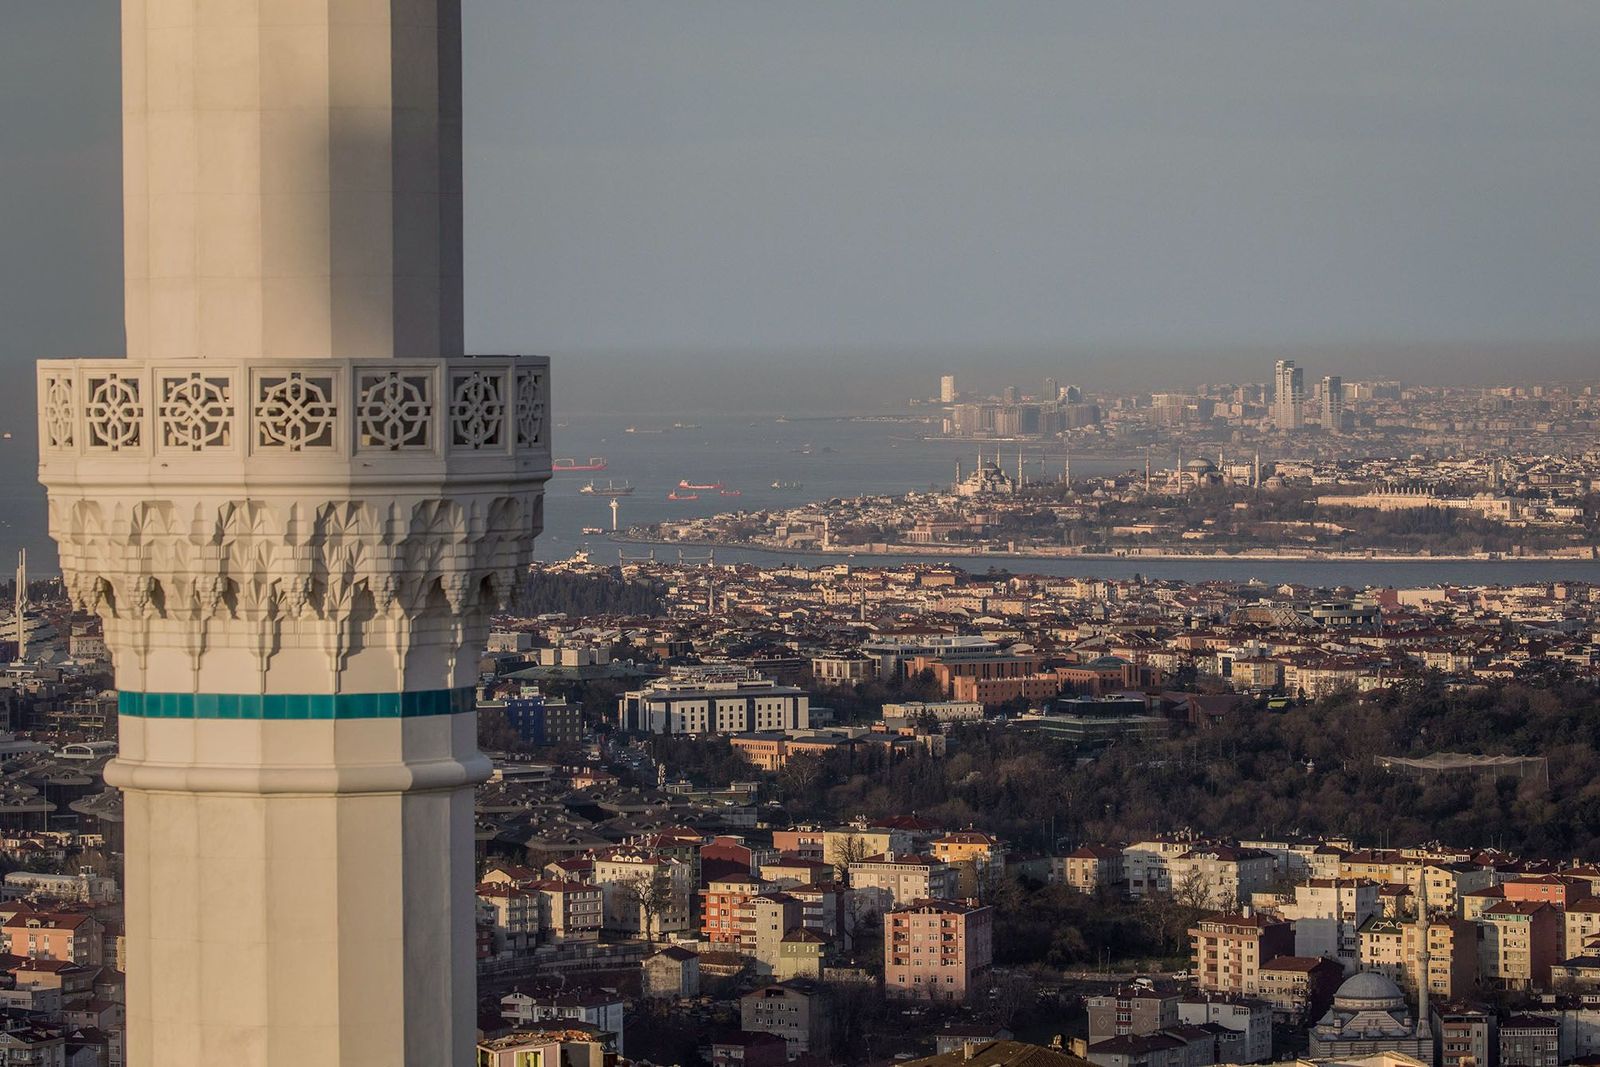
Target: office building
[736,705]
[1288,394]
[293,505]
[947,389]
[1332,404]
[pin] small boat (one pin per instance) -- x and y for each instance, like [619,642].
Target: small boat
[566,466]
[686,426]
[687,484]
[675,495]
[730,492]
[590,530]
[787,485]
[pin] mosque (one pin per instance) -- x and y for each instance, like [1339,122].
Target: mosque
[1370,1016]
[988,479]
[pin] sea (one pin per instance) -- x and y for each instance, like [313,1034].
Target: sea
[815,458]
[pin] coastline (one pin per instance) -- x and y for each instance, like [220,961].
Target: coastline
[936,553]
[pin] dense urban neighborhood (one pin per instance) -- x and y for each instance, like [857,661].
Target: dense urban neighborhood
[840,813]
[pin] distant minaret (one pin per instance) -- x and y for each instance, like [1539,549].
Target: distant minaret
[21,605]
[613,514]
[1019,470]
[958,471]
[1258,471]
[1147,470]
[1066,468]
[1424,1026]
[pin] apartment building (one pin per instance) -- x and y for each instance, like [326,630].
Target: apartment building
[1229,950]
[1530,1041]
[763,922]
[937,949]
[1147,865]
[1581,936]
[1559,891]
[1466,1035]
[569,911]
[512,913]
[977,858]
[721,918]
[1134,1009]
[1090,868]
[645,895]
[1249,1017]
[1521,942]
[892,879]
[1445,883]
[1299,988]
[72,937]
[1328,914]
[1222,876]
[796,1011]
[1393,948]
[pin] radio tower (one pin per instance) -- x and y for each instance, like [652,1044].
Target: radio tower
[613,514]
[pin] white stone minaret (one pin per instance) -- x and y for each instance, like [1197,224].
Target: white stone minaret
[295,505]
[20,608]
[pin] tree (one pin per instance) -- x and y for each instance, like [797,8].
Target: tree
[852,848]
[653,894]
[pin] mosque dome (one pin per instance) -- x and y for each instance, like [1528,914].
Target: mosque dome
[1200,465]
[1368,991]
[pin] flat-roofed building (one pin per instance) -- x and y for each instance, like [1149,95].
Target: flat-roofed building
[937,949]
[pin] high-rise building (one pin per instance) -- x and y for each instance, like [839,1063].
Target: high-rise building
[947,389]
[1052,391]
[1332,404]
[295,505]
[1288,393]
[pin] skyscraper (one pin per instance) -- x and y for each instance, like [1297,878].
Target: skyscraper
[1288,393]
[1052,391]
[295,505]
[1332,403]
[947,389]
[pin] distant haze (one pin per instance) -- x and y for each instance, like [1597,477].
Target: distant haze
[824,205]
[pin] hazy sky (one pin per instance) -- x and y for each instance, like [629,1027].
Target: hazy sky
[819,200]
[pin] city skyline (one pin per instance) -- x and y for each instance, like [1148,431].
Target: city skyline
[1109,591]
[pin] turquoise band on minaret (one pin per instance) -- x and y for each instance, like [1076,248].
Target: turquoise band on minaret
[292,706]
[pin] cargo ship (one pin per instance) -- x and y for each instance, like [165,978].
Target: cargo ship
[708,486]
[787,485]
[609,489]
[566,466]
[675,495]
[730,492]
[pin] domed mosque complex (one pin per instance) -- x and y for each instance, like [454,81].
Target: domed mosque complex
[1370,1016]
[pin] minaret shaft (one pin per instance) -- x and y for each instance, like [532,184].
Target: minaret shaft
[295,507]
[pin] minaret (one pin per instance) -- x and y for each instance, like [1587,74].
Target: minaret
[1147,470]
[21,605]
[1258,470]
[295,506]
[614,514]
[1019,470]
[1424,1024]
